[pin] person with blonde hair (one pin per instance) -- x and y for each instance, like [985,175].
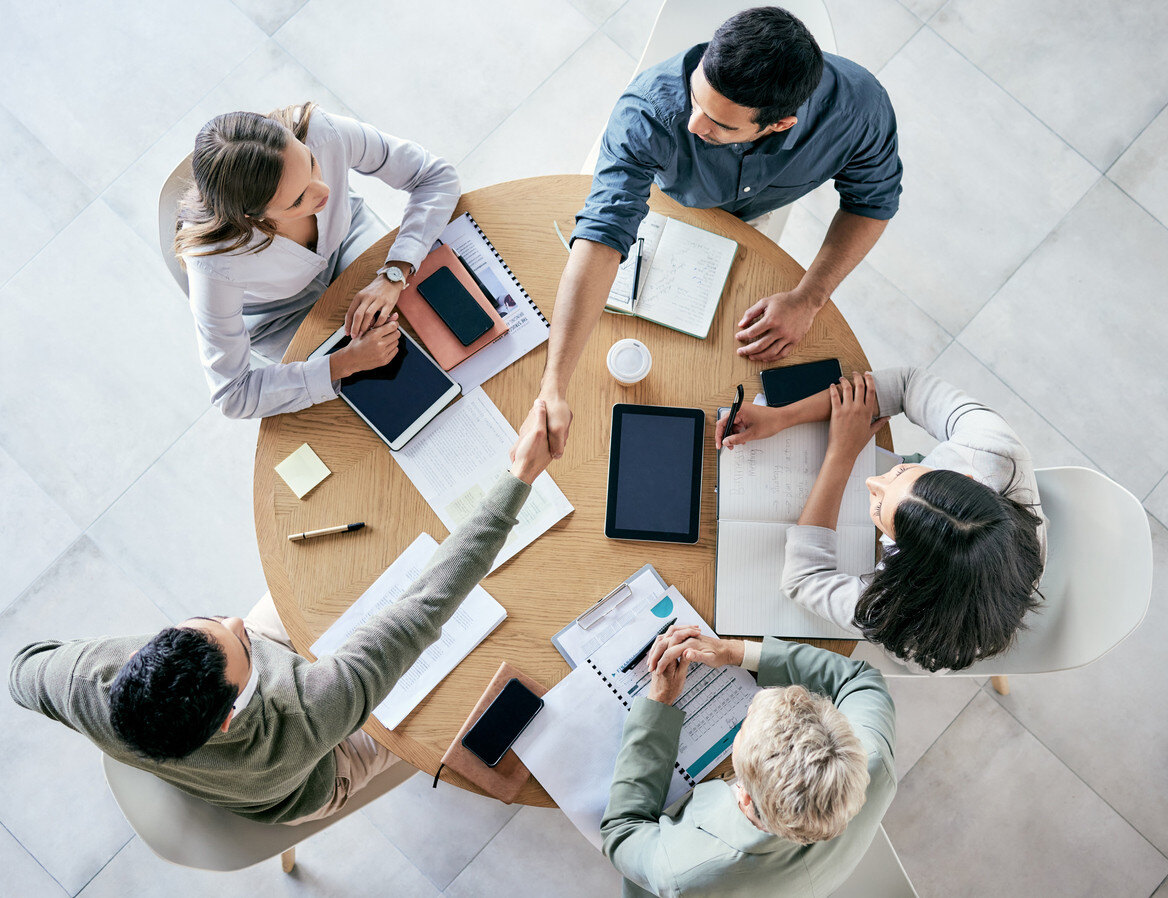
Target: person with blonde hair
[271,221]
[813,762]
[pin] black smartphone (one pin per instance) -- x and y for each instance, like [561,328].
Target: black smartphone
[783,386]
[500,725]
[455,306]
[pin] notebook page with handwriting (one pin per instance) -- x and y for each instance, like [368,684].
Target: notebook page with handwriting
[685,281]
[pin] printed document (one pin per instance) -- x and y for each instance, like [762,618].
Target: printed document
[456,460]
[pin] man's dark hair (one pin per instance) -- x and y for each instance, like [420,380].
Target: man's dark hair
[961,578]
[172,696]
[764,59]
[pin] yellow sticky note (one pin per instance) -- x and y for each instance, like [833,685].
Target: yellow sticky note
[302,470]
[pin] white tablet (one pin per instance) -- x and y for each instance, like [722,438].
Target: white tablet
[399,399]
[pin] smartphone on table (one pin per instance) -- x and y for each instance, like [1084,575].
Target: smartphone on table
[455,306]
[500,725]
[791,383]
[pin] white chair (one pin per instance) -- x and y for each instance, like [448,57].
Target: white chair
[1096,587]
[682,23]
[879,875]
[190,832]
[172,190]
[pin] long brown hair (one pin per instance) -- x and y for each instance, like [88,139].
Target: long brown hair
[237,164]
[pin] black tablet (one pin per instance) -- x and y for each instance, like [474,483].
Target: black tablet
[655,473]
[399,399]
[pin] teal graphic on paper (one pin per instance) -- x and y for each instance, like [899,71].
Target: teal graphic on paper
[664,608]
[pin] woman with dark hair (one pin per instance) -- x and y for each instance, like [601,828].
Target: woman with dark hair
[964,540]
[270,222]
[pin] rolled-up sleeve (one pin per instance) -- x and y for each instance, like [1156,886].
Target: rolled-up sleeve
[811,576]
[238,390]
[636,145]
[430,180]
[869,184]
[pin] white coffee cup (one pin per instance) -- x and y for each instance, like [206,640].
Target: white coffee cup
[629,361]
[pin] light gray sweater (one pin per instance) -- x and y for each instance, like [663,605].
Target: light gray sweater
[275,762]
[974,440]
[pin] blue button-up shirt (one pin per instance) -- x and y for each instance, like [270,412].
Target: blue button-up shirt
[845,131]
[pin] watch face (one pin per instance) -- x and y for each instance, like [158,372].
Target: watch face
[394,274]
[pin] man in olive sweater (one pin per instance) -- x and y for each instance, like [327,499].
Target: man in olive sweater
[238,719]
[814,767]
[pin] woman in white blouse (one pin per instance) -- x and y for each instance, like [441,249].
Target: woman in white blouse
[271,222]
[964,540]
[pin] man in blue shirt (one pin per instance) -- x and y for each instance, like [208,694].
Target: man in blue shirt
[748,123]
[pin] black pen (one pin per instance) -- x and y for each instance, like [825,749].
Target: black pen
[632,662]
[487,293]
[637,271]
[734,407]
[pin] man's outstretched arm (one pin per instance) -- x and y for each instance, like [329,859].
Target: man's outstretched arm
[583,291]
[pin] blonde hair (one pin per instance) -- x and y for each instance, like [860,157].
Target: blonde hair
[801,764]
[237,164]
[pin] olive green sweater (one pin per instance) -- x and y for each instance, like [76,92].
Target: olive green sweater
[275,762]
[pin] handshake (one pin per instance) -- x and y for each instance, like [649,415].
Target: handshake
[530,455]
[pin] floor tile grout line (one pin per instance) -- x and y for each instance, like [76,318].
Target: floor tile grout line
[952,336]
[36,860]
[1138,135]
[1034,115]
[106,864]
[1155,487]
[1134,201]
[532,92]
[938,736]
[486,844]
[997,699]
[908,40]
[1163,883]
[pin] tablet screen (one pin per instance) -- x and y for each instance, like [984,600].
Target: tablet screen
[655,473]
[394,397]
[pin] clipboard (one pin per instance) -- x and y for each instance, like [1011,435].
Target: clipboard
[590,627]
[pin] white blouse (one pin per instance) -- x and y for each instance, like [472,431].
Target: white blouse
[231,293]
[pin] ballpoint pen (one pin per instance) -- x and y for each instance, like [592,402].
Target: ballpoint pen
[324,531]
[632,662]
[637,271]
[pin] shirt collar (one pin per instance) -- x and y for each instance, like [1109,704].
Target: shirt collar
[715,811]
[248,690]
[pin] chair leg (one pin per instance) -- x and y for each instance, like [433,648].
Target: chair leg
[1001,685]
[288,859]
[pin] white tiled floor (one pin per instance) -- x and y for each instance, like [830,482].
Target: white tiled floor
[1029,264]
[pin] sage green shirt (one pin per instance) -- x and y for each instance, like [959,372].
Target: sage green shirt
[275,762]
[709,847]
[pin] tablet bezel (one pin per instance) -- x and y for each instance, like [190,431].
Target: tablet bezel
[662,411]
[423,419]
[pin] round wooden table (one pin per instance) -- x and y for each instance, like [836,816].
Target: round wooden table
[564,571]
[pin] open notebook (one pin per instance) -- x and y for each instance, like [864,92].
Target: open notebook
[762,488]
[683,270]
[475,619]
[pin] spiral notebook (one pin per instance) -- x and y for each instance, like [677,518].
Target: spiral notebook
[572,744]
[527,327]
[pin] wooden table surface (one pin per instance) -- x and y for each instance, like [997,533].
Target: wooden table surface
[568,568]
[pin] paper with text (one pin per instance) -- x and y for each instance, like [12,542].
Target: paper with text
[762,488]
[475,619]
[572,750]
[684,284]
[456,460]
[528,328]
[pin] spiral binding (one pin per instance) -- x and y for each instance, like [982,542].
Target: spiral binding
[507,268]
[621,698]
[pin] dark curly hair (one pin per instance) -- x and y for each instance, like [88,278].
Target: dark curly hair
[172,696]
[961,577]
[764,59]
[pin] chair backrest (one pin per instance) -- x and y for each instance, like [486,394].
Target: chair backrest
[172,190]
[682,23]
[1097,585]
[190,832]
[879,875]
